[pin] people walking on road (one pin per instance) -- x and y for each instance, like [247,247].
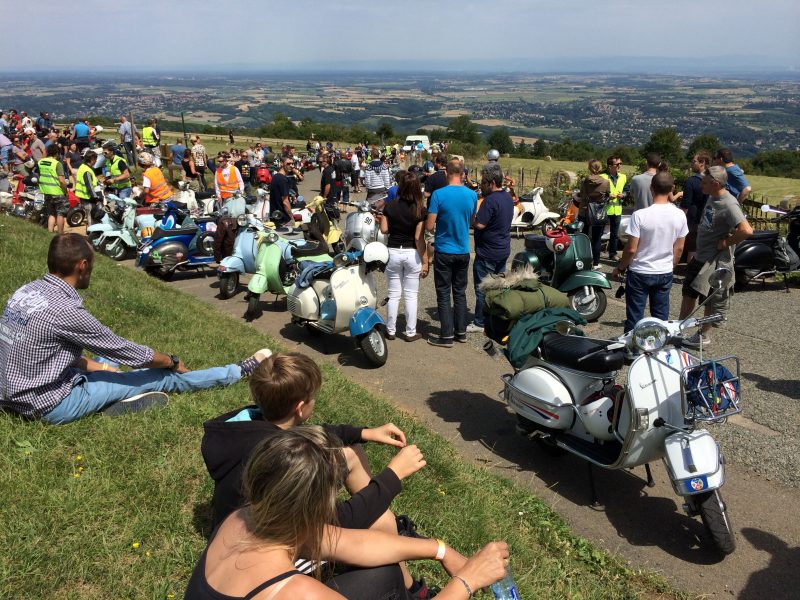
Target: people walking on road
[450,213]
[404,221]
[492,235]
[738,185]
[722,226]
[655,243]
[693,201]
[617,182]
[594,190]
[640,184]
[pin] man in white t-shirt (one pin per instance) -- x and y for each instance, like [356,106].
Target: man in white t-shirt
[655,242]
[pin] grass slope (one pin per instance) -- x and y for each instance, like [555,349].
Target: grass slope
[119,508]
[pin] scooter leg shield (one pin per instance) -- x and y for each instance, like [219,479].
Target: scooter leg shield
[693,461]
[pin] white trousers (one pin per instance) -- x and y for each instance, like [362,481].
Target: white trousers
[402,278]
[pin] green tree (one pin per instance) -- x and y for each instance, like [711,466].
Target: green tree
[464,130]
[500,140]
[628,154]
[437,134]
[665,142]
[422,131]
[540,148]
[384,131]
[777,163]
[707,142]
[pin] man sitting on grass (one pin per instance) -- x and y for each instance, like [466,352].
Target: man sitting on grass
[44,332]
[283,387]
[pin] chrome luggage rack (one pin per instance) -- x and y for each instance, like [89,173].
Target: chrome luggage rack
[711,390]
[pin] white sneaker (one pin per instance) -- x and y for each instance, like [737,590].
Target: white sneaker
[697,340]
[472,328]
[595,267]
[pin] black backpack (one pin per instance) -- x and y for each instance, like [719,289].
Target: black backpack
[786,259]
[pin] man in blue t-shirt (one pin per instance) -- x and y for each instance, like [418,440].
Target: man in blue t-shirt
[450,213]
[80,134]
[176,150]
[738,185]
[492,235]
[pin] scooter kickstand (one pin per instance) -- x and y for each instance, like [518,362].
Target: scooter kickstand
[595,502]
[650,481]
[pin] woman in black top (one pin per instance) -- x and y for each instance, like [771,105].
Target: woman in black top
[404,221]
[190,174]
[290,482]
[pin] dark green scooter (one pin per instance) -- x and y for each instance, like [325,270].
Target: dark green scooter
[563,259]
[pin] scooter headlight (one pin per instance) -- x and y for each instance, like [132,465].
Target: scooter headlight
[340,260]
[241,220]
[650,335]
[271,237]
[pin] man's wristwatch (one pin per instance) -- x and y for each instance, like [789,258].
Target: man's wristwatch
[175,361]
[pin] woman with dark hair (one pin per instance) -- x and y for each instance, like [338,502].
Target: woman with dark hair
[190,174]
[404,221]
[594,189]
[291,482]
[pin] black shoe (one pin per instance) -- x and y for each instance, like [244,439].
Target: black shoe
[441,342]
[406,527]
[136,403]
[390,336]
[461,339]
[419,590]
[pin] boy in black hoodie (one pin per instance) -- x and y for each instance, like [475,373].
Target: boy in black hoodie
[283,387]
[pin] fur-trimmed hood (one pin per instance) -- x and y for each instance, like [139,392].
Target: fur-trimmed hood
[508,280]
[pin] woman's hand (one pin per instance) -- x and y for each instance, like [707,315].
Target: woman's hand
[425,270]
[407,462]
[487,566]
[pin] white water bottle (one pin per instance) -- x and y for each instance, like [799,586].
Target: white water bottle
[505,589]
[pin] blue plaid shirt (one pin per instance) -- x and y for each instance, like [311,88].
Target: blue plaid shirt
[43,333]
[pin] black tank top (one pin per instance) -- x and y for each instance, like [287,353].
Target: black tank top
[199,589]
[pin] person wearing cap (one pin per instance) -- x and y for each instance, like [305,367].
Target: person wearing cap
[721,227]
[54,187]
[119,174]
[154,186]
[85,184]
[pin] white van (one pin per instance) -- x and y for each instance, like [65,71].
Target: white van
[412,141]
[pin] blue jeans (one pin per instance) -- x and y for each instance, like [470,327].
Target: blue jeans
[638,288]
[124,193]
[613,240]
[343,193]
[480,269]
[450,276]
[94,391]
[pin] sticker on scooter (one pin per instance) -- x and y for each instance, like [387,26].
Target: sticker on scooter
[697,484]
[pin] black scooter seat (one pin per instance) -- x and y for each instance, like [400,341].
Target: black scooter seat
[565,350]
[162,233]
[299,252]
[763,237]
[535,242]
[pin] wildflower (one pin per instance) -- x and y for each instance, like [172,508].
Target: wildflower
[135,545]
[79,457]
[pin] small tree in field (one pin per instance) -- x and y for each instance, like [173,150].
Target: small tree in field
[500,140]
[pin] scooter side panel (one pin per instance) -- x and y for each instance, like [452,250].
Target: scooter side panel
[656,389]
[582,279]
[351,290]
[693,463]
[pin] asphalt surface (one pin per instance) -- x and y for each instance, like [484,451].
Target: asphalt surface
[454,391]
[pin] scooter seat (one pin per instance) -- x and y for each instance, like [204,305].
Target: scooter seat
[299,252]
[199,220]
[763,237]
[162,233]
[535,242]
[566,350]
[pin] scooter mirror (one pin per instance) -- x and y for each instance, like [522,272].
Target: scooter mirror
[720,279]
[565,327]
[340,260]
[766,208]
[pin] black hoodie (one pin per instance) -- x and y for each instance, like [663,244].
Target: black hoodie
[227,445]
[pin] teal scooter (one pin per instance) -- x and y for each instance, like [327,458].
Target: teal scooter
[277,266]
[563,259]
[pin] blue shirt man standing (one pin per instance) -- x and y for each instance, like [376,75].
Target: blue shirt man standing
[450,213]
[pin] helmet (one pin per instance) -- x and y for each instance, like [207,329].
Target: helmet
[557,240]
[493,155]
[376,255]
[145,158]
[109,145]
[597,416]
[146,232]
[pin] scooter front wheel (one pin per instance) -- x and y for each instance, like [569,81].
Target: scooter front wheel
[589,308]
[228,285]
[75,217]
[373,344]
[547,225]
[253,307]
[714,514]
[115,249]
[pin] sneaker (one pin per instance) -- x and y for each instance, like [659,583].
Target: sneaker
[473,328]
[412,338]
[419,590]
[441,342]
[248,365]
[136,403]
[406,527]
[461,339]
[697,340]
[595,267]
[612,257]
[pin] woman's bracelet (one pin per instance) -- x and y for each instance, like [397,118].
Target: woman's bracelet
[440,552]
[466,585]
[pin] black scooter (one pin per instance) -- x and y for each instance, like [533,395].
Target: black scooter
[766,253]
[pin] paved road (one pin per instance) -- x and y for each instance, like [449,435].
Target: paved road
[454,391]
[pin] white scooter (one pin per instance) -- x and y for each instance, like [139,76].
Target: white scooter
[340,296]
[362,228]
[565,394]
[532,213]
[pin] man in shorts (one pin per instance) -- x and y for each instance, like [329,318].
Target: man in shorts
[54,187]
[721,227]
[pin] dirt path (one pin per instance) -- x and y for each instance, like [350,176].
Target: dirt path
[454,391]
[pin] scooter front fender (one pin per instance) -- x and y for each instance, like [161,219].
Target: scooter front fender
[583,279]
[231,264]
[541,217]
[365,320]
[694,462]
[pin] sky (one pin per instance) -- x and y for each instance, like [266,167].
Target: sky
[535,35]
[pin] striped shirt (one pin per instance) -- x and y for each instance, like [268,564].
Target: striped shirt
[43,333]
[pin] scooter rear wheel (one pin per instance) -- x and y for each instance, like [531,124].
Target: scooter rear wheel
[373,344]
[228,285]
[714,514]
[75,217]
